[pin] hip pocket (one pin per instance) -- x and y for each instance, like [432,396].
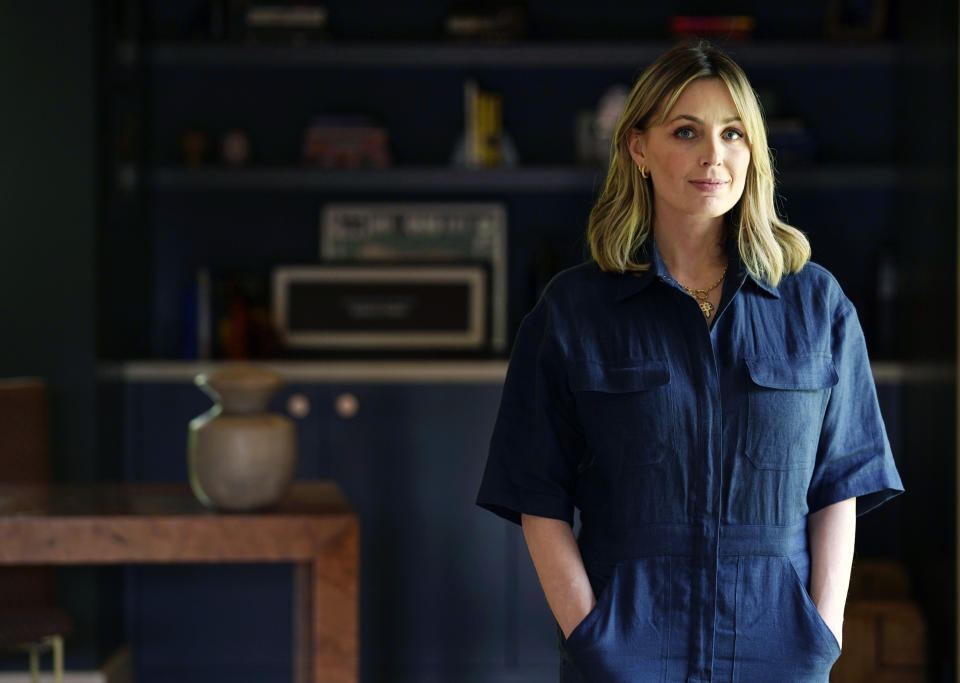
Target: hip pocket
[622,639]
[586,631]
[786,400]
[800,574]
[778,626]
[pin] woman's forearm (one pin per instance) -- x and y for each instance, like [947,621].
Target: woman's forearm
[560,569]
[832,531]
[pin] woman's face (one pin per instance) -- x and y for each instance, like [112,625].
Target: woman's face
[698,157]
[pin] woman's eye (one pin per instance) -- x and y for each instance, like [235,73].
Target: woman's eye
[684,133]
[733,134]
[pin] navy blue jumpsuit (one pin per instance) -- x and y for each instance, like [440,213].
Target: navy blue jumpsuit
[694,455]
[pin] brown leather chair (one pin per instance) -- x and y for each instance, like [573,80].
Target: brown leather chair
[29,619]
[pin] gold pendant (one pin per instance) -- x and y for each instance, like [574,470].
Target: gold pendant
[706,307]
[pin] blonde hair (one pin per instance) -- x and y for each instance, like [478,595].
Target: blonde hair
[622,218]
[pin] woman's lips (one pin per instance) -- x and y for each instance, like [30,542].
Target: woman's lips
[708,185]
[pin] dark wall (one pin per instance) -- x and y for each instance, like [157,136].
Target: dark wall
[48,193]
[47,217]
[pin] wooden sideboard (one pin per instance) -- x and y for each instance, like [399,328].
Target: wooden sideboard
[313,528]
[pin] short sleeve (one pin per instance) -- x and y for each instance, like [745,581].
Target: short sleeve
[536,442]
[853,456]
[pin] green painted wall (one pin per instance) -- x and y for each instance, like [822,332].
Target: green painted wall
[47,216]
[48,196]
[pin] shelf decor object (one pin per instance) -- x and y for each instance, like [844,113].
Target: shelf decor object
[739,27]
[241,457]
[856,19]
[424,232]
[295,23]
[382,307]
[342,141]
[484,143]
[486,21]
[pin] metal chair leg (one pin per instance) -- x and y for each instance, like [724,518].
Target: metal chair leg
[57,659]
[34,663]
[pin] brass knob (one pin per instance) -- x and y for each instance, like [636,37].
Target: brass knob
[298,405]
[346,405]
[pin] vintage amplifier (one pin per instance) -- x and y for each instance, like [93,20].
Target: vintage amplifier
[420,232]
[382,307]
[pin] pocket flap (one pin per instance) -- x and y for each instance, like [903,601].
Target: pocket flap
[619,378]
[796,372]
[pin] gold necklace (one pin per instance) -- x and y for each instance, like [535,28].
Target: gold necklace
[701,294]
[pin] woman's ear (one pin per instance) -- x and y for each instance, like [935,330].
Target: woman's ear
[636,143]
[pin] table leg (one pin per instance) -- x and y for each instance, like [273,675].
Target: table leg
[302,615]
[326,612]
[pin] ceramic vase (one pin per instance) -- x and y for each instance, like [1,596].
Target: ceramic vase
[241,457]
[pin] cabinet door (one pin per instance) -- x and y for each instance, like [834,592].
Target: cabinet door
[439,575]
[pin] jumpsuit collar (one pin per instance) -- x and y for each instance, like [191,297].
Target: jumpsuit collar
[633,283]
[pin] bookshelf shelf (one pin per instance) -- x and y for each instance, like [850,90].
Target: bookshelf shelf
[548,55]
[513,180]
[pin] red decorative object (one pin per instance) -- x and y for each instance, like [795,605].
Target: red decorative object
[345,142]
[737,27]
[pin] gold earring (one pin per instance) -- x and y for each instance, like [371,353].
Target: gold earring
[644,173]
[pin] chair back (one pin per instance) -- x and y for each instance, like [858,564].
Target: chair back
[24,459]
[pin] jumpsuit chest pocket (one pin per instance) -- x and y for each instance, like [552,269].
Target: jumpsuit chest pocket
[786,400]
[626,409]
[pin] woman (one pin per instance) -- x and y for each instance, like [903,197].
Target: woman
[702,393]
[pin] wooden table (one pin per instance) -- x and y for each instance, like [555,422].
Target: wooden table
[313,528]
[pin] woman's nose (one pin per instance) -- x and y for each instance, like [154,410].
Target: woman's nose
[710,154]
[710,160]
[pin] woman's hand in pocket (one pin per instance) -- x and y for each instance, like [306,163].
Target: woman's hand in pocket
[835,623]
[560,569]
[575,620]
[832,530]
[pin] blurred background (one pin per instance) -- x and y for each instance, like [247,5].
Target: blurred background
[184,181]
